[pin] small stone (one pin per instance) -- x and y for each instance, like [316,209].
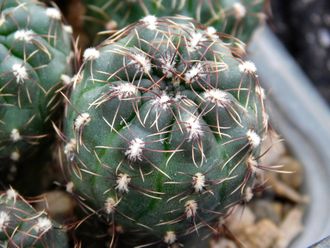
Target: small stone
[278,208]
[285,191]
[223,243]
[290,228]
[59,205]
[240,218]
[260,235]
[265,209]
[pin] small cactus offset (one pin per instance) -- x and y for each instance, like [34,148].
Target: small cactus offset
[22,226]
[35,49]
[236,17]
[163,128]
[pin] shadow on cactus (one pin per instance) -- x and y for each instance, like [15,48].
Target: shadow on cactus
[22,226]
[163,129]
[35,51]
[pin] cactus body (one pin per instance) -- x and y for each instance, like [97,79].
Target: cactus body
[22,226]
[163,126]
[238,18]
[34,52]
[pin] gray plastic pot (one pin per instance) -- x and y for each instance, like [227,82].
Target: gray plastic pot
[302,117]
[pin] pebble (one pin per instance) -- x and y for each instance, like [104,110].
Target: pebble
[260,235]
[267,209]
[223,243]
[241,217]
[58,204]
[290,227]
[283,190]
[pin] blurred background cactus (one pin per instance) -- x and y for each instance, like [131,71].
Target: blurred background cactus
[238,18]
[22,226]
[35,54]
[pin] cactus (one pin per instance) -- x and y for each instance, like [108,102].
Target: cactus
[163,127]
[22,226]
[35,49]
[235,17]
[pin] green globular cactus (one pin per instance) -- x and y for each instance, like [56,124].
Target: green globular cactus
[163,128]
[35,49]
[22,226]
[236,17]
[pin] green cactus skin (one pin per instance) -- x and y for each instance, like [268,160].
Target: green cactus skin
[163,127]
[22,226]
[236,17]
[35,48]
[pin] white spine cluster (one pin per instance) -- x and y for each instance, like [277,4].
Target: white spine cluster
[253,166]
[53,13]
[163,101]
[66,79]
[70,147]
[135,149]
[194,128]
[253,138]
[212,33]
[195,39]
[11,195]
[169,237]
[142,62]
[198,182]
[15,135]
[4,220]
[168,66]
[190,208]
[122,182]
[150,21]
[15,156]
[252,163]
[125,90]
[109,205]
[23,35]
[192,73]
[91,54]
[248,67]
[68,29]
[218,97]
[239,11]
[248,194]
[69,187]
[20,73]
[43,225]
[81,121]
